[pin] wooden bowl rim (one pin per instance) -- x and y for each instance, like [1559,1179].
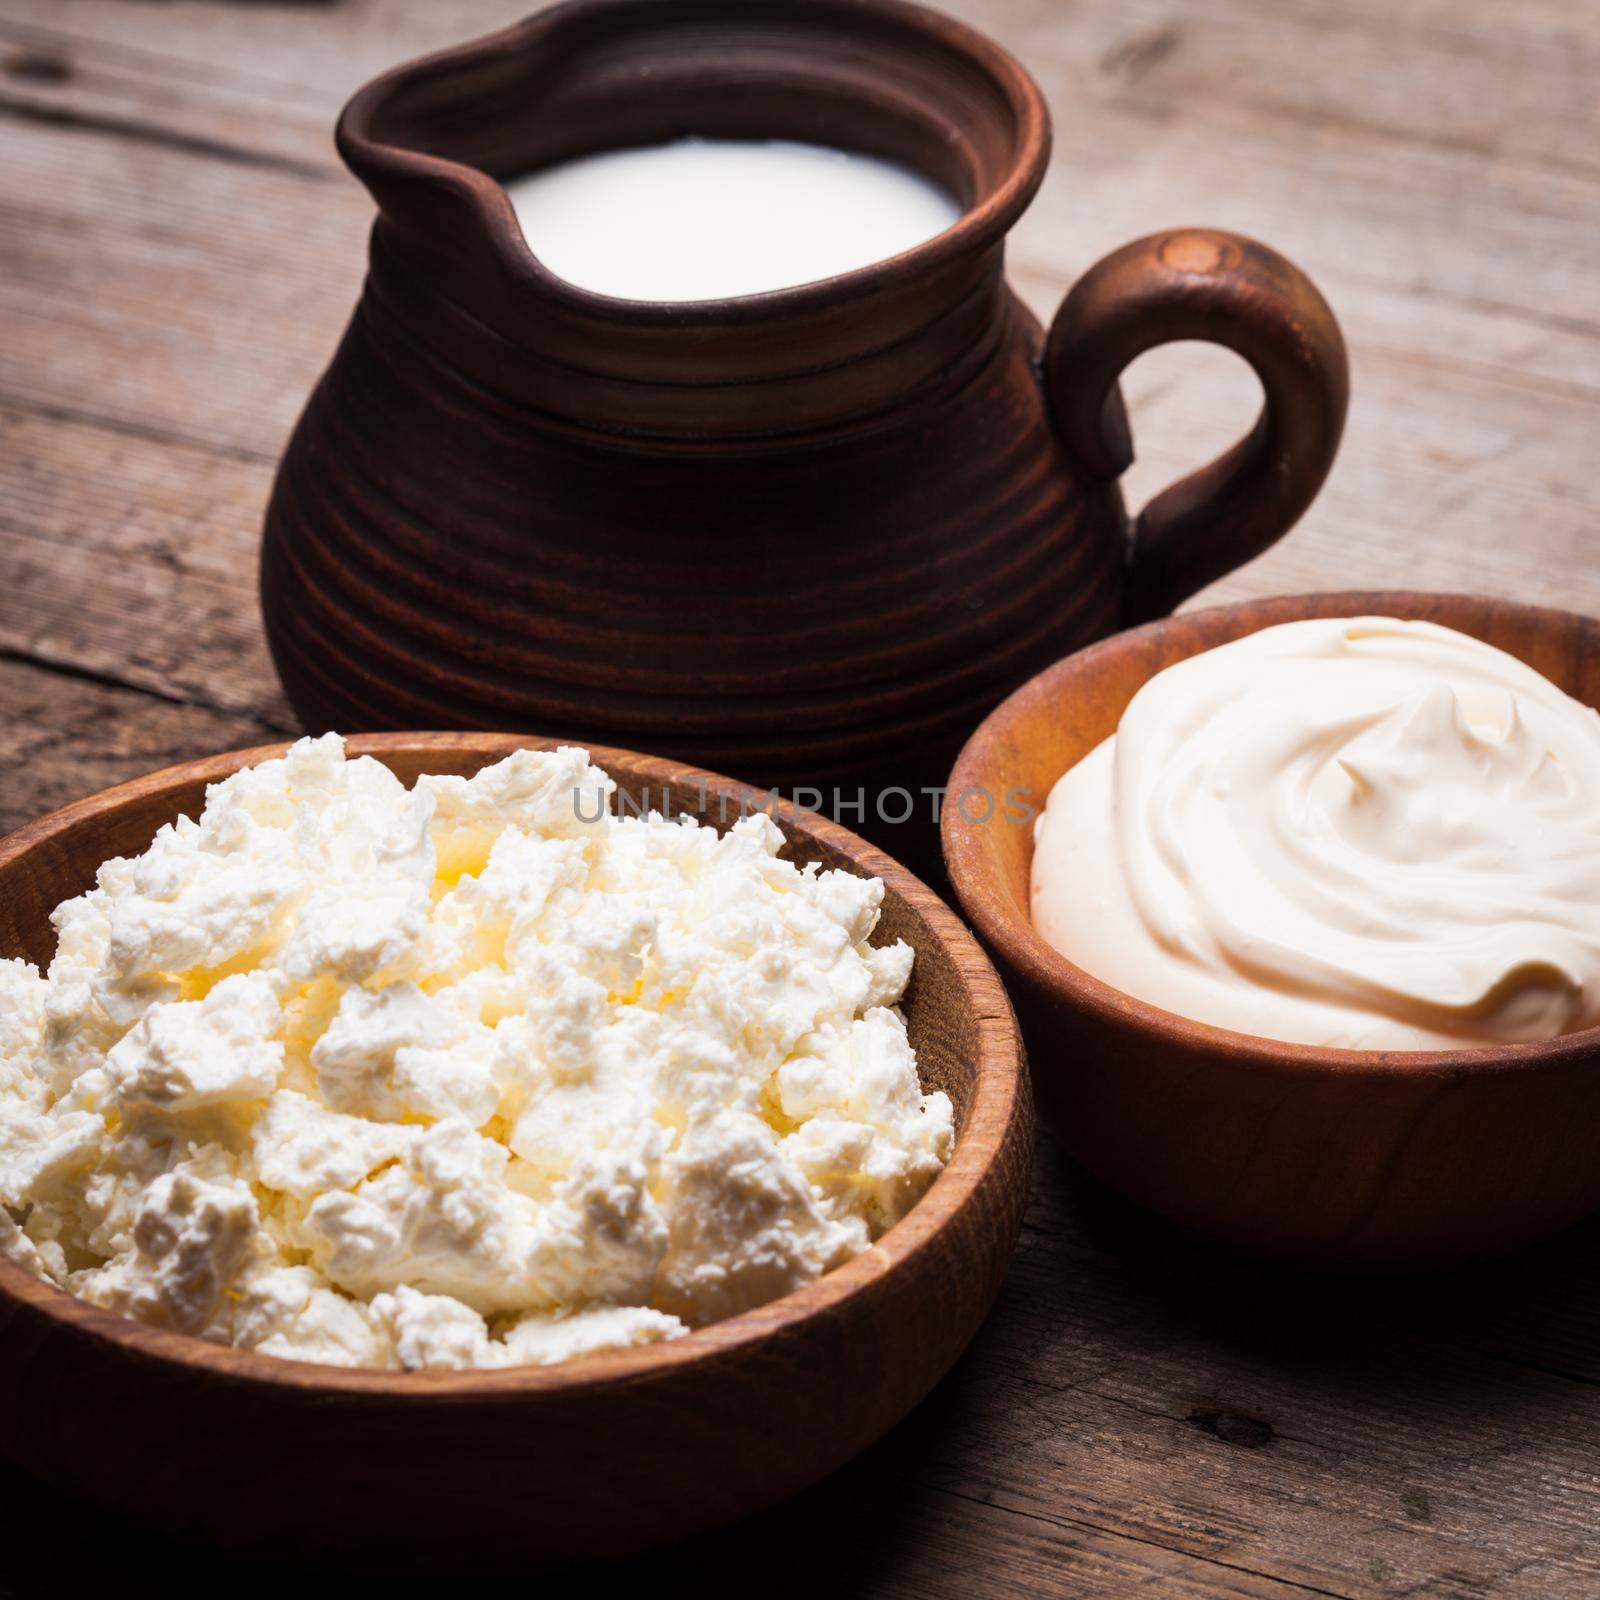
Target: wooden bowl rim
[998,1098]
[1021,949]
[976,229]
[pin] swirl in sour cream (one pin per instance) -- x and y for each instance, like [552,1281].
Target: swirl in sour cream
[1351,831]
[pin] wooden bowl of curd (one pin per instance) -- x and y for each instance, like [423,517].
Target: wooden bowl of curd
[598,1456]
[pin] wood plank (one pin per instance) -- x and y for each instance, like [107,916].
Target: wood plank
[46,80]
[167,292]
[885,1537]
[63,737]
[1486,81]
[136,560]
[312,53]
[1304,1428]
[1479,76]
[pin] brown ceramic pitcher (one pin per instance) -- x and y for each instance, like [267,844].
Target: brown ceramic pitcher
[805,537]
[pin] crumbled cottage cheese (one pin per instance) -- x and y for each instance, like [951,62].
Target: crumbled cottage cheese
[453,1076]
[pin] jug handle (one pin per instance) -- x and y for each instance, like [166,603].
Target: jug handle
[1198,283]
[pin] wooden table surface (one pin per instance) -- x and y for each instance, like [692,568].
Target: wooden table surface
[179,248]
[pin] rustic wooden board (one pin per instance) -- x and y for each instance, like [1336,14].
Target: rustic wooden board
[179,249]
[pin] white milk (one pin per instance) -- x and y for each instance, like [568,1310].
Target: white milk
[702,219]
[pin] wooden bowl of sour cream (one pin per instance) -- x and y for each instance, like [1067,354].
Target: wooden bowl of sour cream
[1331,1157]
[598,1456]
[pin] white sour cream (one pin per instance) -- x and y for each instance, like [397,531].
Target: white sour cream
[1352,831]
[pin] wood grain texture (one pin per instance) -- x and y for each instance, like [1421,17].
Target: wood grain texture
[1432,166]
[1359,1160]
[533,1465]
[69,728]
